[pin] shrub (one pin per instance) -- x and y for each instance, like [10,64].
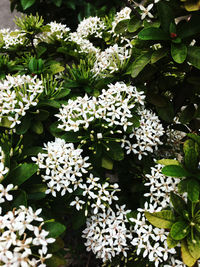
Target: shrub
[100,137]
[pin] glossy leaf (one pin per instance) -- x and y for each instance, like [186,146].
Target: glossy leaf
[167,162]
[152,33]
[171,243]
[161,219]
[158,54]
[179,230]
[193,190]
[22,173]
[178,52]
[178,203]
[134,24]
[107,163]
[194,246]
[165,14]
[139,64]
[121,27]
[175,171]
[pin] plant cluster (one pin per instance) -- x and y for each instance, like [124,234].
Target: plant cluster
[99,135]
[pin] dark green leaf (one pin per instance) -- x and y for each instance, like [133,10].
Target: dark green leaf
[139,63]
[191,158]
[193,56]
[23,127]
[55,229]
[194,137]
[55,261]
[189,27]
[179,230]
[50,103]
[193,190]
[166,113]
[175,171]
[22,173]
[152,33]
[64,92]
[134,24]
[178,203]
[187,114]
[165,14]
[178,52]
[121,27]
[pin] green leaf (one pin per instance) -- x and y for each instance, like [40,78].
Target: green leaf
[168,162]
[178,52]
[161,219]
[27,3]
[179,230]
[49,103]
[114,151]
[186,256]
[56,68]
[37,191]
[107,163]
[22,173]
[134,24]
[64,92]
[25,124]
[71,137]
[193,190]
[191,158]
[193,56]
[178,203]
[165,14]
[194,137]
[187,114]
[121,27]
[182,186]
[152,33]
[32,151]
[175,171]
[166,113]
[55,229]
[171,243]
[139,64]
[158,54]
[194,246]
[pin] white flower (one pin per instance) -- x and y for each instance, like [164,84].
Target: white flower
[78,202]
[145,11]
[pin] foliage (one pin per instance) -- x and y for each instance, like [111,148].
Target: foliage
[99,127]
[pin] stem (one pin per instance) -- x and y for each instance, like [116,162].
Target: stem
[32,44]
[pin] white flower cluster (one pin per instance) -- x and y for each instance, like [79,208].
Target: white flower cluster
[63,165]
[151,241]
[147,135]
[160,187]
[121,15]
[113,105]
[99,194]
[12,38]
[91,26]
[57,30]
[107,235]
[22,243]
[3,169]
[110,60]
[18,94]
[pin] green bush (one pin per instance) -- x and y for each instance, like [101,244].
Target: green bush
[99,139]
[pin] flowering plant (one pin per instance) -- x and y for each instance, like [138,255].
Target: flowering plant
[99,136]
